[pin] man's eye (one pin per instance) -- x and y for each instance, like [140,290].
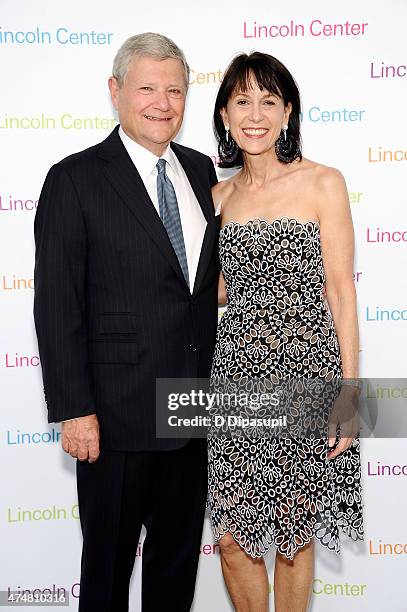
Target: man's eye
[270,102]
[242,102]
[146,88]
[175,92]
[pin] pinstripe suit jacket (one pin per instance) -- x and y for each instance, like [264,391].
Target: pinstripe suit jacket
[112,309]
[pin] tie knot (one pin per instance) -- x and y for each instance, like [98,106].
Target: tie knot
[161,166]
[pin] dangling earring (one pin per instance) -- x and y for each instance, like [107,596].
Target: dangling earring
[228,149]
[287,148]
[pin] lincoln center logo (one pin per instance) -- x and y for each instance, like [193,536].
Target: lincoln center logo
[12,204]
[15,360]
[380,70]
[378,313]
[17,437]
[23,515]
[377,547]
[59,36]
[314,28]
[15,283]
[378,469]
[379,235]
[65,121]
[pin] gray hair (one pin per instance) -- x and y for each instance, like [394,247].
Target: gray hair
[147,44]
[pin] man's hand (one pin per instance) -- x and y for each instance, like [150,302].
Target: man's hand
[80,437]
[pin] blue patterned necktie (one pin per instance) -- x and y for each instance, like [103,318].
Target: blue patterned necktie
[169,213]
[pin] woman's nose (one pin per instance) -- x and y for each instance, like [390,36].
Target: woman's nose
[255,113]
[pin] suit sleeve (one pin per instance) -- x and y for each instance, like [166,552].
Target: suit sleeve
[213,179]
[60,298]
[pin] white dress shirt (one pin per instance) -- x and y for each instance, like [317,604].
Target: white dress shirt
[193,221]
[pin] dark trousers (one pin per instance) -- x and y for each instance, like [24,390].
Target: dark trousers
[120,492]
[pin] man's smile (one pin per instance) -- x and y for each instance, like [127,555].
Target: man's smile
[151,118]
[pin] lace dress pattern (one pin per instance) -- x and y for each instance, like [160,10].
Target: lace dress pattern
[278,491]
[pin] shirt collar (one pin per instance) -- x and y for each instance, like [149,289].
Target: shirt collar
[170,158]
[143,159]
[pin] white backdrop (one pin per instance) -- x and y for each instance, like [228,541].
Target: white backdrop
[55,59]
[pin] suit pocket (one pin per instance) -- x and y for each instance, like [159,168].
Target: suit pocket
[118,323]
[113,351]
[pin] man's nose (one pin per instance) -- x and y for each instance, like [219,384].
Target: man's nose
[162,101]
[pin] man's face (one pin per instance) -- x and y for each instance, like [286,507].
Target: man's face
[151,101]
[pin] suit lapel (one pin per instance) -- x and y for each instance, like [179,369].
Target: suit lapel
[122,174]
[204,198]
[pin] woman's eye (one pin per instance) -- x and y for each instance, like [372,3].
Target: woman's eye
[270,102]
[241,102]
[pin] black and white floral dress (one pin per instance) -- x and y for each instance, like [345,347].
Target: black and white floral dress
[278,490]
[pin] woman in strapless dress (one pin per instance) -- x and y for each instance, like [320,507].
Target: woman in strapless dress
[286,252]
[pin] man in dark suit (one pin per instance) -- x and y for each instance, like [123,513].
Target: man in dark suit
[126,280]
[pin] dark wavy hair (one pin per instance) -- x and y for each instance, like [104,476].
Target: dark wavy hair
[270,75]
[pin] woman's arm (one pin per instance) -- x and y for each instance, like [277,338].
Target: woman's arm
[217,191]
[337,244]
[222,295]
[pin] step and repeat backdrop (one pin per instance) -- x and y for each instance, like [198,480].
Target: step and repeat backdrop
[349,59]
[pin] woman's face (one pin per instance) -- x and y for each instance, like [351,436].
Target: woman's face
[255,119]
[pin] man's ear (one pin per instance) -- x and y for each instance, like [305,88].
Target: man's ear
[114,90]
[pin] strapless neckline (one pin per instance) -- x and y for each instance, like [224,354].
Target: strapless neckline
[269,223]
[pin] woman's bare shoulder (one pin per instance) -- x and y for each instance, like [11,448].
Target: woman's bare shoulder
[328,192]
[323,187]
[222,190]
[322,176]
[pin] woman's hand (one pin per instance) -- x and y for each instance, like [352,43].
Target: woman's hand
[345,413]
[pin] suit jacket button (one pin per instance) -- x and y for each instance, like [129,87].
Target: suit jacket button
[193,347]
